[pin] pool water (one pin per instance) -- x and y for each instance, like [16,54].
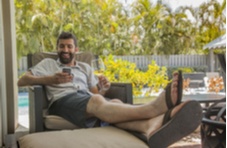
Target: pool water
[23,115]
[23,99]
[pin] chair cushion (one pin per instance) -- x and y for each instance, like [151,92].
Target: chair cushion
[80,56]
[101,137]
[57,123]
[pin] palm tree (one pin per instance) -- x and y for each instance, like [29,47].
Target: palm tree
[209,22]
[107,26]
[161,30]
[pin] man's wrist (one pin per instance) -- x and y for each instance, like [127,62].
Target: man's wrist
[102,91]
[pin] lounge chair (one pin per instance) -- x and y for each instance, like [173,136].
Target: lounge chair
[39,120]
[65,134]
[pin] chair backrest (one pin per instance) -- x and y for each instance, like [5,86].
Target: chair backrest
[212,74]
[222,61]
[196,79]
[33,59]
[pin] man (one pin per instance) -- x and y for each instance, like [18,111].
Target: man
[76,98]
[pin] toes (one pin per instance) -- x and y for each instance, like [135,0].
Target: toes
[174,84]
[175,74]
[174,95]
[175,77]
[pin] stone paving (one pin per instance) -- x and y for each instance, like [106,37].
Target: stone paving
[191,141]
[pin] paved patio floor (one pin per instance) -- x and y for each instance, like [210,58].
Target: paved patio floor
[191,141]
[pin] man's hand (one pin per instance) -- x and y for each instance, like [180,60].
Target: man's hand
[104,84]
[29,79]
[62,77]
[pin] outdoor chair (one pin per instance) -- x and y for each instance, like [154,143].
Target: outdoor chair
[212,74]
[98,137]
[196,79]
[39,120]
[67,134]
[209,76]
[213,127]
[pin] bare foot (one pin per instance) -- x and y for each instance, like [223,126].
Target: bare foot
[156,123]
[149,126]
[178,123]
[174,84]
[168,97]
[160,132]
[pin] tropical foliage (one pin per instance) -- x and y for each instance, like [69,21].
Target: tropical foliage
[209,22]
[123,71]
[107,27]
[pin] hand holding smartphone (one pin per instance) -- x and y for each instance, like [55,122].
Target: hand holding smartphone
[67,70]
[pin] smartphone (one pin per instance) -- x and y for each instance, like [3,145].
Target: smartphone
[67,70]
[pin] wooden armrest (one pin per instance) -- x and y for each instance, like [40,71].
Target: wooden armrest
[36,93]
[122,91]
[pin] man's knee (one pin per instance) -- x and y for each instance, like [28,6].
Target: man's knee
[116,101]
[95,102]
[97,99]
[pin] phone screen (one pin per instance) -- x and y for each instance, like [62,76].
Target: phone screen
[67,70]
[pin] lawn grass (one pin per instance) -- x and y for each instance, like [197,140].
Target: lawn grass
[142,100]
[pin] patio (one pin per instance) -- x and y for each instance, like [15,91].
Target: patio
[206,98]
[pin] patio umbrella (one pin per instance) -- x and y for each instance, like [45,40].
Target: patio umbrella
[222,61]
[219,42]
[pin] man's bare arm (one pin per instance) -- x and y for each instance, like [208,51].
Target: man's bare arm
[94,90]
[104,85]
[29,79]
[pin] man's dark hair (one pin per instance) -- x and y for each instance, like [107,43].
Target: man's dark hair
[67,35]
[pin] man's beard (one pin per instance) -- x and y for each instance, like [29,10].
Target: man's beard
[64,60]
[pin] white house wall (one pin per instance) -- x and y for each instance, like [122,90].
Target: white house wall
[3,124]
[8,68]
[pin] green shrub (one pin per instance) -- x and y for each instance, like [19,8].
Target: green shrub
[123,71]
[183,69]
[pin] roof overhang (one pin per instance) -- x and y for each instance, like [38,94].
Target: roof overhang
[218,43]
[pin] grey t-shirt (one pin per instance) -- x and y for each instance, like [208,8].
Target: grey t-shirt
[83,78]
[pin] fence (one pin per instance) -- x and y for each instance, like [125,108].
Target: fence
[142,61]
[168,61]
[22,65]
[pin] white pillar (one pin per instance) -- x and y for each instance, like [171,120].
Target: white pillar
[211,60]
[3,118]
[9,59]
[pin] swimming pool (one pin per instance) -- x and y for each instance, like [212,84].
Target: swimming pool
[23,115]
[23,99]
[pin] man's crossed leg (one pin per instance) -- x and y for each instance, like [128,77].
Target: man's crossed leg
[160,122]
